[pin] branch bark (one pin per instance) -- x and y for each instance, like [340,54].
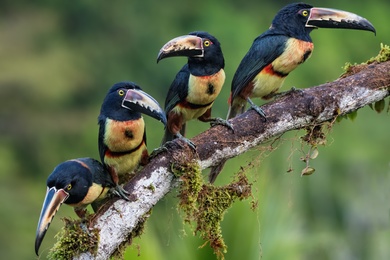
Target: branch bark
[312,106]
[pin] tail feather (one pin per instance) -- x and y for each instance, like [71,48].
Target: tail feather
[168,136]
[215,170]
[235,109]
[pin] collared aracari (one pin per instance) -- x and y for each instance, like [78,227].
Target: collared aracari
[280,49]
[122,135]
[78,183]
[196,86]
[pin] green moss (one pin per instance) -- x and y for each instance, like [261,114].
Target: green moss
[73,240]
[151,187]
[191,184]
[383,55]
[350,69]
[206,204]
[213,203]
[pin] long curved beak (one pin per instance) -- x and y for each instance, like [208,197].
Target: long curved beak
[332,18]
[186,45]
[53,200]
[142,102]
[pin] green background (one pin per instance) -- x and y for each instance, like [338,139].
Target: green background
[59,58]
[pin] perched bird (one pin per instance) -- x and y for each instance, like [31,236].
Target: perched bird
[280,49]
[78,183]
[122,136]
[196,86]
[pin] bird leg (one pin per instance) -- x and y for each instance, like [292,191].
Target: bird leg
[282,94]
[206,117]
[219,121]
[188,141]
[118,189]
[257,108]
[163,148]
[121,192]
[157,151]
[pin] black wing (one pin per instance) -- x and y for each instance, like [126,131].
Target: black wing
[264,50]
[178,90]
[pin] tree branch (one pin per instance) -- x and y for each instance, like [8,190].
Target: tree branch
[365,85]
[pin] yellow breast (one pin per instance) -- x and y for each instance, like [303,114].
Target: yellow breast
[123,136]
[266,84]
[205,89]
[126,163]
[271,78]
[202,90]
[295,53]
[95,192]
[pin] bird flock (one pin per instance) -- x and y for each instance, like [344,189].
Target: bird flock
[122,137]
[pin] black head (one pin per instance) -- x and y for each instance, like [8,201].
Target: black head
[291,21]
[74,178]
[126,101]
[202,49]
[112,104]
[68,183]
[212,51]
[299,19]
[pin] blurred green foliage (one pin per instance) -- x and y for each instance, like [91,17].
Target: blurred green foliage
[57,61]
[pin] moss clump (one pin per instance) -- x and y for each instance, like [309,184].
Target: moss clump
[191,184]
[213,203]
[350,69]
[73,239]
[383,55]
[206,204]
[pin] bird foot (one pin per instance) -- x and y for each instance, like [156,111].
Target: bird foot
[292,90]
[257,109]
[157,151]
[220,121]
[121,192]
[188,141]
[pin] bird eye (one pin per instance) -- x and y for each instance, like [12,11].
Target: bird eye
[121,92]
[69,187]
[305,13]
[206,43]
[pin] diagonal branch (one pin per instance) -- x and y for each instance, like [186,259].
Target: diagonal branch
[116,221]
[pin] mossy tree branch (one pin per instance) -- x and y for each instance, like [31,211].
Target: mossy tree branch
[364,84]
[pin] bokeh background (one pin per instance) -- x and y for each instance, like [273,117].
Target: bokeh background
[57,61]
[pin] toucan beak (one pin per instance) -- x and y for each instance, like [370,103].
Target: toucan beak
[140,101]
[332,18]
[186,45]
[53,200]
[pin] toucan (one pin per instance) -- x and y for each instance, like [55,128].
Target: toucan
[196,86]
[78,183]
[122,135]
[280,49]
